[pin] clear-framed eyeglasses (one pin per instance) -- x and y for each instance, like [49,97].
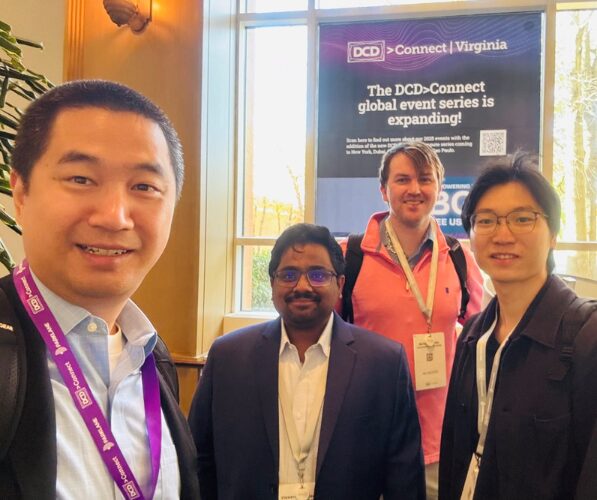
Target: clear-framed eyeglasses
[315,277]
[518,221]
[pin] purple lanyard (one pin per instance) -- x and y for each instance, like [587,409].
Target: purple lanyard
[75,381]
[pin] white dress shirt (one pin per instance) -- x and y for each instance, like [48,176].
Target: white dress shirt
[301,381]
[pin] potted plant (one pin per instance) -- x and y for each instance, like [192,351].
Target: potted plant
[18,86]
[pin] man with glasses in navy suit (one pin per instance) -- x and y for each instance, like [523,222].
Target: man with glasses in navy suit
[307,405]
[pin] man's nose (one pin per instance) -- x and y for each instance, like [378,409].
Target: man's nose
[414,187]
[502,231]
[112,210]
[303,283]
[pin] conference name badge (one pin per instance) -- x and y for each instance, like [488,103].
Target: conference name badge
[296,491]
[430,360]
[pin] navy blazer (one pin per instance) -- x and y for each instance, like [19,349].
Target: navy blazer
[370,440]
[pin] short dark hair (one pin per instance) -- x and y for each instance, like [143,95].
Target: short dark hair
[421,154]
[521,167]
[36,124]
[301,234]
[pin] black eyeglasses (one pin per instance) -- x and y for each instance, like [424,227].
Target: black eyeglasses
[518,221]
[316,277]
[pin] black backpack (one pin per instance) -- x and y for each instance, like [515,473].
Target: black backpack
[354,261]
[12,372]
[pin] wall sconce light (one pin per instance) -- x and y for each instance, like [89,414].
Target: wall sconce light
[135,13]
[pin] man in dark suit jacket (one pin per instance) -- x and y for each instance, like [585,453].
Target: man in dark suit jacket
[361,441]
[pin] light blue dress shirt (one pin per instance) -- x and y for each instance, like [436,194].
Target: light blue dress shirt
[81,471]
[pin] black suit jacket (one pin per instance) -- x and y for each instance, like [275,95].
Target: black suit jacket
[29,469]
[370,440]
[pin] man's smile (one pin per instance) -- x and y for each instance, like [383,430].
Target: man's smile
[103,251]
[503,256]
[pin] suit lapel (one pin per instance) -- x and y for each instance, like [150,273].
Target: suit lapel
[342,360]
[266,366]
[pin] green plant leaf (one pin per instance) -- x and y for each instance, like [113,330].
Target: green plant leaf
[3,92]
[16,81]
[30,43]
[5,257]
[7,135]
[9,220]
[23,92]
[4,120]
[11,73]
[9,44]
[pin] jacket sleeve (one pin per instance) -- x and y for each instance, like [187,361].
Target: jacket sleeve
[587,483]
[474,283]
[404,474]
[200,421]
[584,406]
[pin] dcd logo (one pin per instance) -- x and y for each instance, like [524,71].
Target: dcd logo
[35,304]
[131,490]
[367,51]
[83,397]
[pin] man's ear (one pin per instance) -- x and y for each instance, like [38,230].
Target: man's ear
[553,241]
[341,279]
[19,191]
[384,193]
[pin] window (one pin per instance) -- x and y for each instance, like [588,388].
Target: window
[575,136]
[270,133]
[272,147]
[344,4]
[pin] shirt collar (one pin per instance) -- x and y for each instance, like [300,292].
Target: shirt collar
[541,320]
[324,341]
[135,326]
[426,243]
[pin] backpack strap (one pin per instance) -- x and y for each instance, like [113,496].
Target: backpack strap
[459,260]
[354,261]
[11,383]
[577,314]
[166,367]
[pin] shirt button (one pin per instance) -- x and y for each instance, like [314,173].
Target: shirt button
[92,327]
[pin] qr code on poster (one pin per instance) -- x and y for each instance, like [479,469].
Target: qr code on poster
[492,143]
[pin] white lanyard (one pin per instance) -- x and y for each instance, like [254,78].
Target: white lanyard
[485,395]
[425,307]
[301,448]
